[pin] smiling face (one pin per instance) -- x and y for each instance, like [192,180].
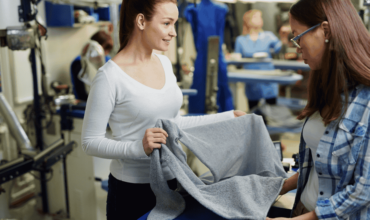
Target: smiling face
[161,29]
[312,43]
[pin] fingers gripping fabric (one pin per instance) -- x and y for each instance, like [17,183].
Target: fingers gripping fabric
[246,169]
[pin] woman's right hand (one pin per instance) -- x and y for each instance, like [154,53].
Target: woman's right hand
[153,138]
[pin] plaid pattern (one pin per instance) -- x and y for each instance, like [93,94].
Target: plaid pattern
[343,163]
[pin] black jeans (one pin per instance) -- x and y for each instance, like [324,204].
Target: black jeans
[130,200]
[252,104]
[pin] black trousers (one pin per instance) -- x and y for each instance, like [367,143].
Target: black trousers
[130,200]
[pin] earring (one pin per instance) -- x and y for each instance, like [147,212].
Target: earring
[327,41]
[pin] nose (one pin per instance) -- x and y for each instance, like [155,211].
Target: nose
[173,32]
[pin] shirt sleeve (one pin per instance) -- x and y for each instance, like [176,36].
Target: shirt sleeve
[352,198]
[193,121]
[238,46]
[100,104]
[275,43]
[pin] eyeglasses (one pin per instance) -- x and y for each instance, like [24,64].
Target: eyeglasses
[295,39]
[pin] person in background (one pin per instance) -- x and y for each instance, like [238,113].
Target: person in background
[255,40]
[106,41]
[334,152]
[132,91]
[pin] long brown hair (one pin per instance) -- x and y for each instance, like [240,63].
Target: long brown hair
[247,17]
[129,10]
[346,61]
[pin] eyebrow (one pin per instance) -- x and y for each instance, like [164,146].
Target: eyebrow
[169,18]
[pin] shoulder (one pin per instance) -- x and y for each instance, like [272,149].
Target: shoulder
[359,107]
[240,38]
[269,34]
[222,6]
[189,8]
[108,67]
[164,59]
[107,72]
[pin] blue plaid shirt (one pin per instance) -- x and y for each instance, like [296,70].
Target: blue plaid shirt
[343,163]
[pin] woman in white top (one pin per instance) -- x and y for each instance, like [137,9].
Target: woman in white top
[131,92]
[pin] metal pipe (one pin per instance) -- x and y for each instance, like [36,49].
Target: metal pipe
[66,185]
[15,127]
[11,163]
[37,122]
[49,149]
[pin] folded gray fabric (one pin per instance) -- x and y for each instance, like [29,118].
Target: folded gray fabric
[247,172]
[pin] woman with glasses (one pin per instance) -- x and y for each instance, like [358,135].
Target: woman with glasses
[333,181]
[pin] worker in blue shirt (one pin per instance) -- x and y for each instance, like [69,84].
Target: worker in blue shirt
[255,40]
[106,41]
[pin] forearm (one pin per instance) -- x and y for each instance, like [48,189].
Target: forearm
[192,121]
[290,184]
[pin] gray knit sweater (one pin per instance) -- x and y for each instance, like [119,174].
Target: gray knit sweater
[247,172]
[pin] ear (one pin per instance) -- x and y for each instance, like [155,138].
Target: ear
[325,25]
[140,21]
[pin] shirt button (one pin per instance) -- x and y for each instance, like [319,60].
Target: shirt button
[321,193]
[320,173]
[326,132]
[318,155]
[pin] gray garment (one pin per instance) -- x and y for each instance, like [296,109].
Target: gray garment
[280,116]
[238,148]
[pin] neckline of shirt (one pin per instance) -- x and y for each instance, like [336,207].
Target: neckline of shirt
[142,85]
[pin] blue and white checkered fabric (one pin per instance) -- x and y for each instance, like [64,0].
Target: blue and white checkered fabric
[343,163]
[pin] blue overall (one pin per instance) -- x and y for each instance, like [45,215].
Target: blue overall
[208,19]
[247,47]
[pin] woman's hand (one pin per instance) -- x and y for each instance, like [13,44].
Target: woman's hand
[153,138]
[238,113]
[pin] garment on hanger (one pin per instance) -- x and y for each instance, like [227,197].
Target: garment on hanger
[208,19]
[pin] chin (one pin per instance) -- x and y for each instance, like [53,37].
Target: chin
[162,49]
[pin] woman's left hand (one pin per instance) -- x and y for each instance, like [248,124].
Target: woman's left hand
[238,113]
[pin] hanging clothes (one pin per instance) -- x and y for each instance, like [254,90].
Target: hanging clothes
[266,42]
[208,19]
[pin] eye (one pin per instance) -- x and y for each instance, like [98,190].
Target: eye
[167,23]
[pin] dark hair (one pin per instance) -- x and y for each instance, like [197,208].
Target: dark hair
[346,61]
[129,10]
[104,39]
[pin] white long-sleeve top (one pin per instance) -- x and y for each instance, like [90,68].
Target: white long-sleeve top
[131,108]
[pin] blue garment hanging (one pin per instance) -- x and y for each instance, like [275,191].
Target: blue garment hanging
[208,19]
[247,47]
